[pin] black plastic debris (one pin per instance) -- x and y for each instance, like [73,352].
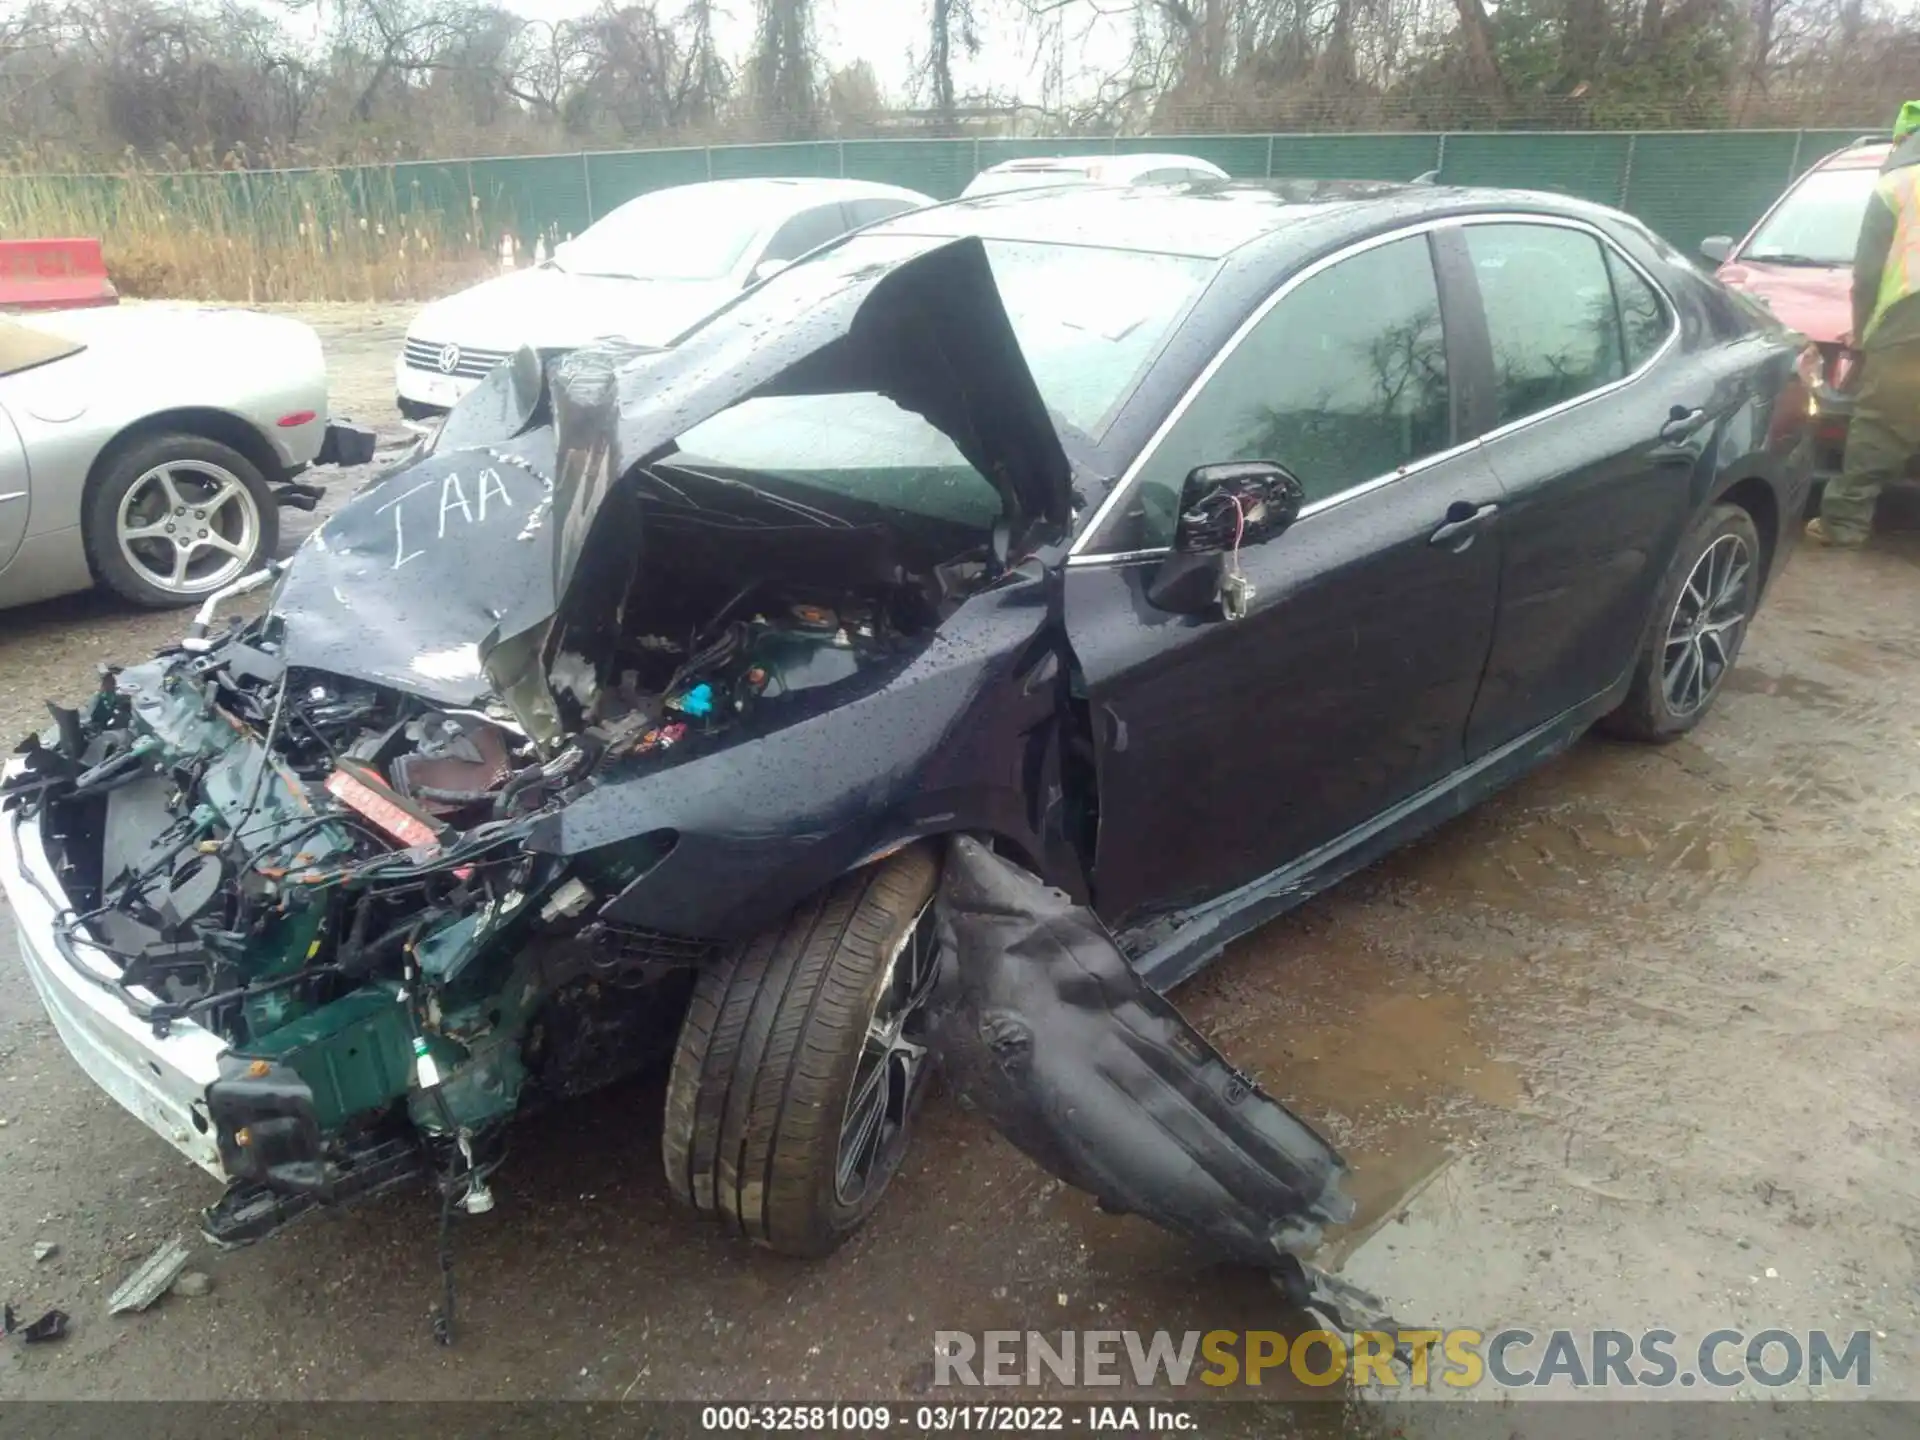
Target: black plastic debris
[49,1327]
[1043,1025]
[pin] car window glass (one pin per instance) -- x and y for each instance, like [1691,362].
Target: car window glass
[860,445]
[806,231]
[1819,221]
[1643,314]
[1342,381]
[1550,314]
[1089,320]
[865,212]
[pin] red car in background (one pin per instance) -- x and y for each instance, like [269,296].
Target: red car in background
[1798,263]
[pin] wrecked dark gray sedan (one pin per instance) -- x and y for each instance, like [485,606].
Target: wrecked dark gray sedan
[930,658]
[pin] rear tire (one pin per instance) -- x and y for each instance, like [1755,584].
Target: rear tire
[1696,631]
[761,1104]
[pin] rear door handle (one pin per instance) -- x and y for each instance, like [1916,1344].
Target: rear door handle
[1681,424]
[1464,521]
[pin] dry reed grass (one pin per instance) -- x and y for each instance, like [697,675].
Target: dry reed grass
[258,236]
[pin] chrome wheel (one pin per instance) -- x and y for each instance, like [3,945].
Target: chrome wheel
[892,1064]
[1703,634]
[188,527]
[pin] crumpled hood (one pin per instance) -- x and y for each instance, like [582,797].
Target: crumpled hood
[550,309]
[405,581]
[472,550]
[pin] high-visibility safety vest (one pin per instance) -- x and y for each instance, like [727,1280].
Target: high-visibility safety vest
[1899,191]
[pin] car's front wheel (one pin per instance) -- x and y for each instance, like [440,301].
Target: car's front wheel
[801,1061]
[172,518]
[1704,609]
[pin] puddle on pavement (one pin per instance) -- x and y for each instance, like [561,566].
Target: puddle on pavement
[1378,1019]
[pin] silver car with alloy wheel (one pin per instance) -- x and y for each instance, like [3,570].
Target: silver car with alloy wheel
[150,448]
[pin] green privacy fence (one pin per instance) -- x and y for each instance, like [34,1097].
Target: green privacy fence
[1685,184]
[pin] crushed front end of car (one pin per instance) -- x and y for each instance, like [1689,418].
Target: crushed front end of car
[286,920]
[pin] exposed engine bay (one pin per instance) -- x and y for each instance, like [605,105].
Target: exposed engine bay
[332,875]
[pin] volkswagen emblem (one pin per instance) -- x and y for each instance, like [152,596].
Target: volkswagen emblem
[449,359]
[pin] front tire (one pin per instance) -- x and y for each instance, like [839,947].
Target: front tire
[171,518]
[800,1063]
[1697,631]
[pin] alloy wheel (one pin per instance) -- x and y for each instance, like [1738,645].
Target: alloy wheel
[1703,634]
[188,526]
[892,1066]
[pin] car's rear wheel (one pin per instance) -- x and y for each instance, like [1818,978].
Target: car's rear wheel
[1701,622]
[172,518]
[801,1061]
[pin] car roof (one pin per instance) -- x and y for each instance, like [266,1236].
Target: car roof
[1126,159]
[805,189]
[1206,219]
[1866,153]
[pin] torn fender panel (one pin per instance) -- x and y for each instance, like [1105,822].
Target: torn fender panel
[406,581]
[962,735]
[1041,1024]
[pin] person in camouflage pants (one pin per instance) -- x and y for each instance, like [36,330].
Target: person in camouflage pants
[1884,433]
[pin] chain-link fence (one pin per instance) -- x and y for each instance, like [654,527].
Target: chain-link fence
[1685,184]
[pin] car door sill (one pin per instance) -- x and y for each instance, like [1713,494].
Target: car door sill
[1171,948]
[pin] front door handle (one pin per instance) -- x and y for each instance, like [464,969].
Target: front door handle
[1681,424]
[1464,521]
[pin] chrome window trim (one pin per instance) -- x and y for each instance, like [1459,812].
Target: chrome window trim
[1077,554]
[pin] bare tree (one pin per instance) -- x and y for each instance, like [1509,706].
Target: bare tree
[948,22]
[782,68]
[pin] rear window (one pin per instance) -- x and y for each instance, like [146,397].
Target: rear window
[22,347]
[1818,223]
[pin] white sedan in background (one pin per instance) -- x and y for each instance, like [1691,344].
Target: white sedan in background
[643,273]
[1037,171]
[149,448]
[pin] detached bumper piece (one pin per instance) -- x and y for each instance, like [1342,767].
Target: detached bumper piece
[345,445]
[1040,1023]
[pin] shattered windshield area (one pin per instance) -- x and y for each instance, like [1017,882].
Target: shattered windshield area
[1818,223]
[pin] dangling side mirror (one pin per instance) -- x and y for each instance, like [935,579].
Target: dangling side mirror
[1223,509]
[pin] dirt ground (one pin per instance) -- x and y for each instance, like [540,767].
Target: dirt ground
[1632,1045]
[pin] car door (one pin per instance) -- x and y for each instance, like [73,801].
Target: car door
[15,501]
[1596,426]
[1229,748]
